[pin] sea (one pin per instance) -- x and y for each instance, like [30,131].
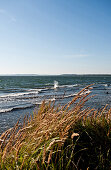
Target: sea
[21,95]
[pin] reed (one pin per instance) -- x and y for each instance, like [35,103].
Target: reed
[60,137]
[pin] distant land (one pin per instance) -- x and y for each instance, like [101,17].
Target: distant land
[55,74]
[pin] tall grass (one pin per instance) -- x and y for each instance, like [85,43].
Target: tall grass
[72,136]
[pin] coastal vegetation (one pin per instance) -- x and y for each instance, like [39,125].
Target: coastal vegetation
[70,136]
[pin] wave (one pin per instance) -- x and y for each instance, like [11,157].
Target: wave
[56,84]
[21,94]
[45,89]
[49,84]
[6,110]
[105,85]
[25,107]
[63,97]
[46,101]
[70,86]
[71,95]
[53,99]
[15,108]
[88,91]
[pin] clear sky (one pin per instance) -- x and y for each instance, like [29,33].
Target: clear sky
[55,36]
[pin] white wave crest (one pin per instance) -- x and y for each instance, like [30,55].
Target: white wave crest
[88,91]
[70,86]
[20,94]
[6,110]
[56,84]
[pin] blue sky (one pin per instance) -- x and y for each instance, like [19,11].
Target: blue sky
[55,36]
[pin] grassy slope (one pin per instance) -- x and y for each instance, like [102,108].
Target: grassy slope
[63,137]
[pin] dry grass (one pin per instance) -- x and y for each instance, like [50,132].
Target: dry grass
[44,140]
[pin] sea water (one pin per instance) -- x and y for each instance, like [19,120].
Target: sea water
[19,95]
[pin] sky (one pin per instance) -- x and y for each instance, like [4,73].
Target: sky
[55,37]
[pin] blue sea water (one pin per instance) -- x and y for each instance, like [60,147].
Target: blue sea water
[19,95]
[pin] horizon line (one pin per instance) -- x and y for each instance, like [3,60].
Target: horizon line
[34,74]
